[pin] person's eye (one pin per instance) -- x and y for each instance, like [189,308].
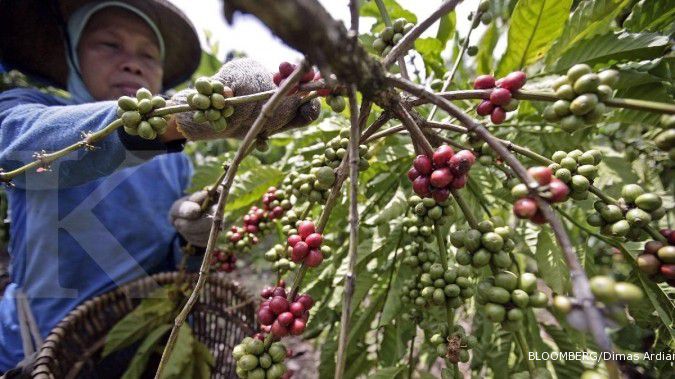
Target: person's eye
[110,44]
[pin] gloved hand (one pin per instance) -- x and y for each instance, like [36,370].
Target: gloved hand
[244,77]
[188,219]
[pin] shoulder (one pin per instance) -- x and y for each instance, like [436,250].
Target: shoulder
[19,96]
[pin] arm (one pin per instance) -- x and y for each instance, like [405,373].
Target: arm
[31,122]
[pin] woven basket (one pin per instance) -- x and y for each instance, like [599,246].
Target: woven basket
[222,317]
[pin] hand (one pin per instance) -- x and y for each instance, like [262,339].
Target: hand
[190,221]
[244,77]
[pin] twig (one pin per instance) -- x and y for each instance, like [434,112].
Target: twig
[409,38]
[462,50]
[350,276]
[414,130]
[411,359]
[525,349]
[581,287]
[247,143]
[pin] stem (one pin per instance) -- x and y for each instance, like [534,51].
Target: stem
[581,287]
[350,276]
[264,116]
[387,21]
[411,358]
[525,349]
[414,130]
[442,250]
[408,39]
[640,105]
[465,45]
[470,218]
[89,139]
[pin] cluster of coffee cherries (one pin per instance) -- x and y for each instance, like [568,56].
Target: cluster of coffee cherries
[429,211]
[454,345]
[282,317]
[306,245]
[209,102]
[313,186]
[135,112]
[611,296]
[280,258]
[577,169]
[256,361]
[391,35]
[658,258]
[336,149]
[276,203]
[447,288]
[666,140]
[240,240]
[418,256]
[526,207]
[507,296]
[435,176]
[635,209]
[581,94]
[500,99]
[484,245]
[286,69]
[223,261]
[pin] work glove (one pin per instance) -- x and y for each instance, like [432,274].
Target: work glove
[189,220]
[245,77]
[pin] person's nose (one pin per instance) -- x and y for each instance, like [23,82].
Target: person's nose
[130,63]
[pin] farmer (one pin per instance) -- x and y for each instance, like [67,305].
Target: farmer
[101,217]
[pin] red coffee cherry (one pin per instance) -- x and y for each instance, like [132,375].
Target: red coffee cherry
[559,190]
[314,258]
[514,81]
[293,240]
[314,240]
[306,228]
[461,162]
[413,174]
[300,251]
[498,115]
[500,96]
[442,154]
[440,194]
[441,178]
[422,164]
[279,305]
[421,186]
[525,208]
[541,174]
[485,108]
[286,69]
[484,82]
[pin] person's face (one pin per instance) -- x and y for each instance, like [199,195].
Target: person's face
[119,54]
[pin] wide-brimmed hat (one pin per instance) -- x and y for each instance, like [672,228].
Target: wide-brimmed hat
[32,38]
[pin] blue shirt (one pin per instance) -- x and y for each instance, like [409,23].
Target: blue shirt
[97,219]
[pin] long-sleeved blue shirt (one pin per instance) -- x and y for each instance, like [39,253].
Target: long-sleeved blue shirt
[95,220]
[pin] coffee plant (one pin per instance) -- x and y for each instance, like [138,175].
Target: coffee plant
[526,212]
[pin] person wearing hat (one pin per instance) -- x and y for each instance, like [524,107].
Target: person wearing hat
[98,217]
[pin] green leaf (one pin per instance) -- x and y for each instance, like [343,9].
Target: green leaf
[446,28]
[139,362]
[395,11]
[249,186]
[485,59]
[328,354]
[392,347]
[591,17]
[651,15]
[182,355]
[149,314]
[430,49]
[534,25]
[386,373]
[552,268]
[392,305]
[397,206]
[203,361]
[613,47]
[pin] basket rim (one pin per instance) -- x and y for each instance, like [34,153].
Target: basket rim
[46,356]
